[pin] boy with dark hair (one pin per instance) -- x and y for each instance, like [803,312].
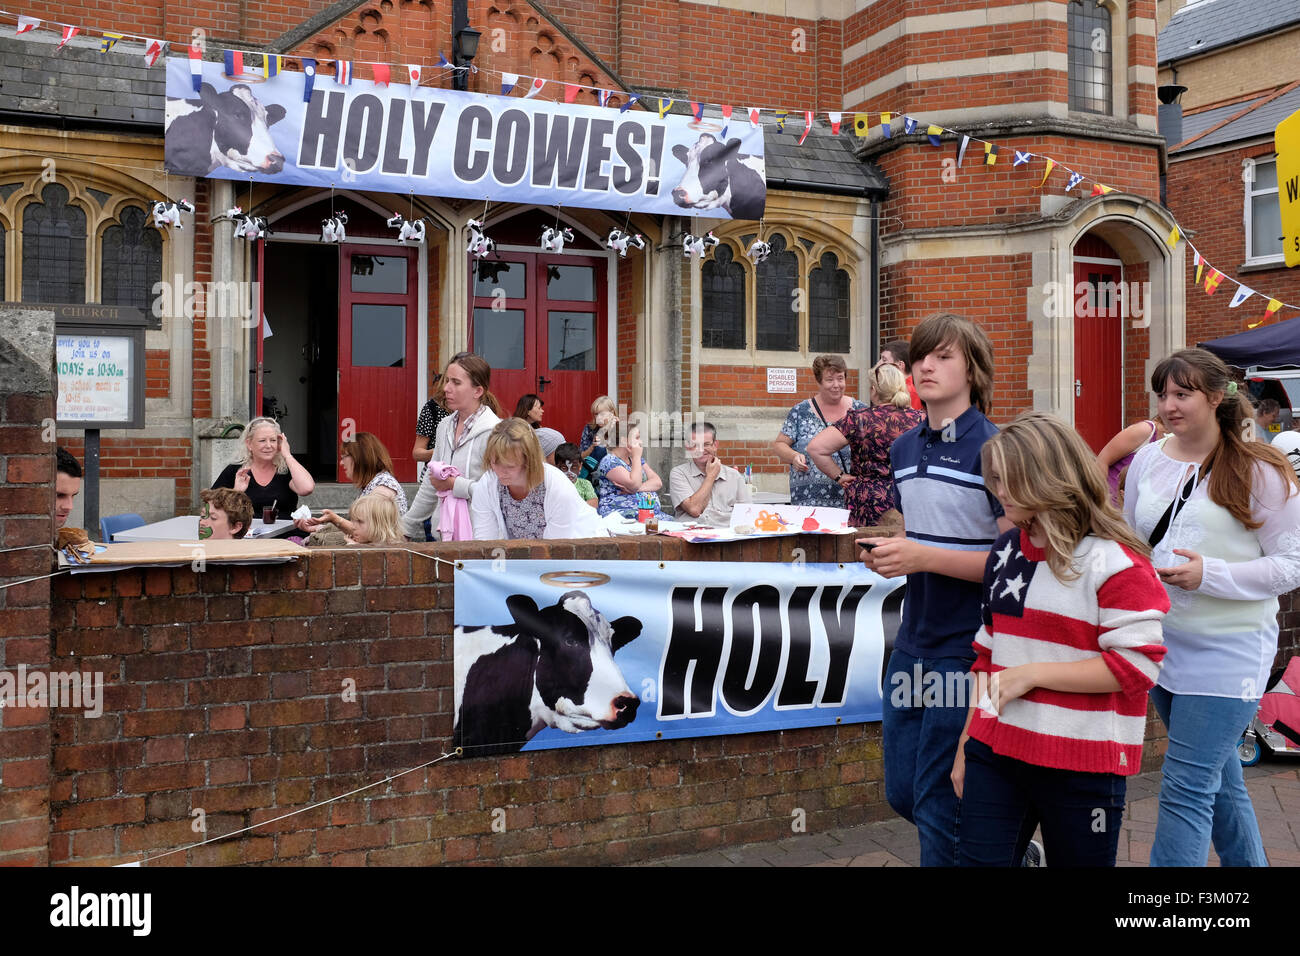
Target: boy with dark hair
[226,514]
[67,484]
[568,458]
[951,522]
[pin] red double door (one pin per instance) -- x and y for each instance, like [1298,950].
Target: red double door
[538,321]
[1099,307]
[379,362]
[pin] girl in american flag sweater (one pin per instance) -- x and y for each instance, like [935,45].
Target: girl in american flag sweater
[1071,642]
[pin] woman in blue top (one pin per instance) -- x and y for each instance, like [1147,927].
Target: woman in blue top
[808,485]
[624,480]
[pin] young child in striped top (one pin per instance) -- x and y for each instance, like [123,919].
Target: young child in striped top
[1071,642]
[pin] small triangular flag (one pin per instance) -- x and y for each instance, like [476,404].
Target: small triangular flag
[1051,164]
[807,125]
[234,64]
[1099,189]
[884,124]
[68,34]
[1273,306]
[602,97]
[861,124]
[1075,179]
[196,67]
[1212,281]
[443,62]
[934,132]
[272,62]
[508,81]
[909,125]
[343,72]
[780,119]
[697,110]
[26,25]
[381,73]
[1172,240]
[665,104]
[1022,157]
[535,88]
[1240,296]
[1200,266]
[961,149]
[836,119]
[990,154]
[308,78]
[631,98]
[152,50]
[753,112]
[107,42]
[726,120]
[571,92]
[414,70]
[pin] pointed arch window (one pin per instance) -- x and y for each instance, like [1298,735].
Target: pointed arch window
[828,313]
[723,284]
[54,248]
[131,254]
[776,281]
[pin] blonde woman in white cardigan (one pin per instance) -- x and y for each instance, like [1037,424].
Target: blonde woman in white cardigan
[460,441]
[520,496]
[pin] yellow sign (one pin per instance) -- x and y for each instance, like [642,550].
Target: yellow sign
[1287,141]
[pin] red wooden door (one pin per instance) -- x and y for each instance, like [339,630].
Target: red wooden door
[538,321]
[378,364]
[1098,352]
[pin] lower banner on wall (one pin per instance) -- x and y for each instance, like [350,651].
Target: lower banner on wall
[618,651]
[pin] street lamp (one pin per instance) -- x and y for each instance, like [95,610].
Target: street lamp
[464,43]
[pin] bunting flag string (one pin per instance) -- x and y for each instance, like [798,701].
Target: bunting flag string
[273,64]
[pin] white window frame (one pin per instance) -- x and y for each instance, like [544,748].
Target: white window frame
[1248,178]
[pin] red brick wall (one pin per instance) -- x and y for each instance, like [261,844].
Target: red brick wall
[223,692]
[1207,196]
[26,506]
[143,457]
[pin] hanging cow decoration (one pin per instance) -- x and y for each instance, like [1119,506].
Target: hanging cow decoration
[479,244]
[759,251]
[412,230]
[247,227]
[167,212]
[619,242]
[553,239]
[698,246]
[334,228]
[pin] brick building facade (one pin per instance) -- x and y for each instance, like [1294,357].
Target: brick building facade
[867,231]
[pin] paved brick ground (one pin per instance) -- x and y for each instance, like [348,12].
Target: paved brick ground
[1274,787]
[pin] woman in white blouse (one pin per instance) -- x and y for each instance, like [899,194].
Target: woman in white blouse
[1222,513]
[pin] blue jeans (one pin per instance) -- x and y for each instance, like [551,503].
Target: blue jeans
[1202,793]
[1005,799]
[920,742]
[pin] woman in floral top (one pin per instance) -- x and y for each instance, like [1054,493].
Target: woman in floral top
[868,484]
[624,479]
[808,484]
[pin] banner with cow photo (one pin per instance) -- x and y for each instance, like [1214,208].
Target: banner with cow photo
[437,142]
[619,651]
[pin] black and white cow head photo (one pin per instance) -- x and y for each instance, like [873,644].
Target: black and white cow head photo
[230,129]
[719,176]
[552,667]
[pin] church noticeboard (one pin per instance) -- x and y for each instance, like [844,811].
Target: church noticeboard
[99,352]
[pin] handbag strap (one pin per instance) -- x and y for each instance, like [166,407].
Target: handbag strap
[826,424]
[1175,506]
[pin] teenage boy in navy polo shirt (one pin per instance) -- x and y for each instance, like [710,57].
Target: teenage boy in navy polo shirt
[951,522]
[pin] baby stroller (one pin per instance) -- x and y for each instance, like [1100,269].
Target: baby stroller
[1277,723]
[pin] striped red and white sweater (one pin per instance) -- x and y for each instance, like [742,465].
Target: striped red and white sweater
[1112,610]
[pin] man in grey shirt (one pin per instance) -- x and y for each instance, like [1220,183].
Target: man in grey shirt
[705,490]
